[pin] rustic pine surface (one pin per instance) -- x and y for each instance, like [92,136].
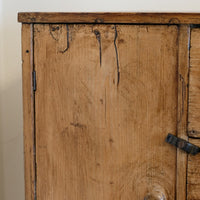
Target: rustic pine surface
[106,97]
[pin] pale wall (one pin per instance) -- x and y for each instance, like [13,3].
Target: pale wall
[11,141]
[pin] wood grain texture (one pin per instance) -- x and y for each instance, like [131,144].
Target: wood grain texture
[28,110]
[193,179]
[183,70]
[106,98]
[153,18]
[194,85]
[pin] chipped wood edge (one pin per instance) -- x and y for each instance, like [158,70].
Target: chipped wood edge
[28,110]
[109,17]
[183,70]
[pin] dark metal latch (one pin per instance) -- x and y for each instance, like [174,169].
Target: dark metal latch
[34,80]
[182,144]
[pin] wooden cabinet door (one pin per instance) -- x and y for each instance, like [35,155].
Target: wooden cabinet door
[107,95]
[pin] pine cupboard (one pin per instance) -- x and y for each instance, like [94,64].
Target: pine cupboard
[101,91]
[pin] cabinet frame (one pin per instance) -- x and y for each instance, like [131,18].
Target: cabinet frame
[184,22]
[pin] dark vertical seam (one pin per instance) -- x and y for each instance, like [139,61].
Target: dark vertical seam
[105,106]
[34,118]
[117,57]
[188,77]
[178,96]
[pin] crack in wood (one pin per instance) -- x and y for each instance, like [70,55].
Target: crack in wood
[183,93]
[78,125]
[67,27]
[98,36]
[117,57]
[105,106]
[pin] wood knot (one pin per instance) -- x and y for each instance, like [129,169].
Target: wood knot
[155,197]
[111,140]
[78,125]
[32,19]
[174,21]
[99,20]
[157,193]
[54,31]
[54,28]
[121,41]
[193,132]
[96,32]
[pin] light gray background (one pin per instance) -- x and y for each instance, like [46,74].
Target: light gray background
[11,140]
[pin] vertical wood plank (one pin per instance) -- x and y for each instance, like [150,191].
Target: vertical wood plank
[194,85]
[183,68]
[28,110]
[193,180]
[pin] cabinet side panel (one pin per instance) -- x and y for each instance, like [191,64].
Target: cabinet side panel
[28,110]
[194,85]
[183,68]
[193,180]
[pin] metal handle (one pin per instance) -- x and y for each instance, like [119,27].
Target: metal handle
[182,144]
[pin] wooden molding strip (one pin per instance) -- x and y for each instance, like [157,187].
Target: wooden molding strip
[183,70]
[146,18]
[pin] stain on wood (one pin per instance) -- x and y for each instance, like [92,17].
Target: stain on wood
[101,135]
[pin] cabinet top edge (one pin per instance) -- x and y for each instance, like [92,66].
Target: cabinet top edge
[109,17]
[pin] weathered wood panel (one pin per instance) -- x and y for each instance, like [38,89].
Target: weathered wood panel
[194,85]
[106,98]
[193,180]
[153,18]
[183,69]
[28,110]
